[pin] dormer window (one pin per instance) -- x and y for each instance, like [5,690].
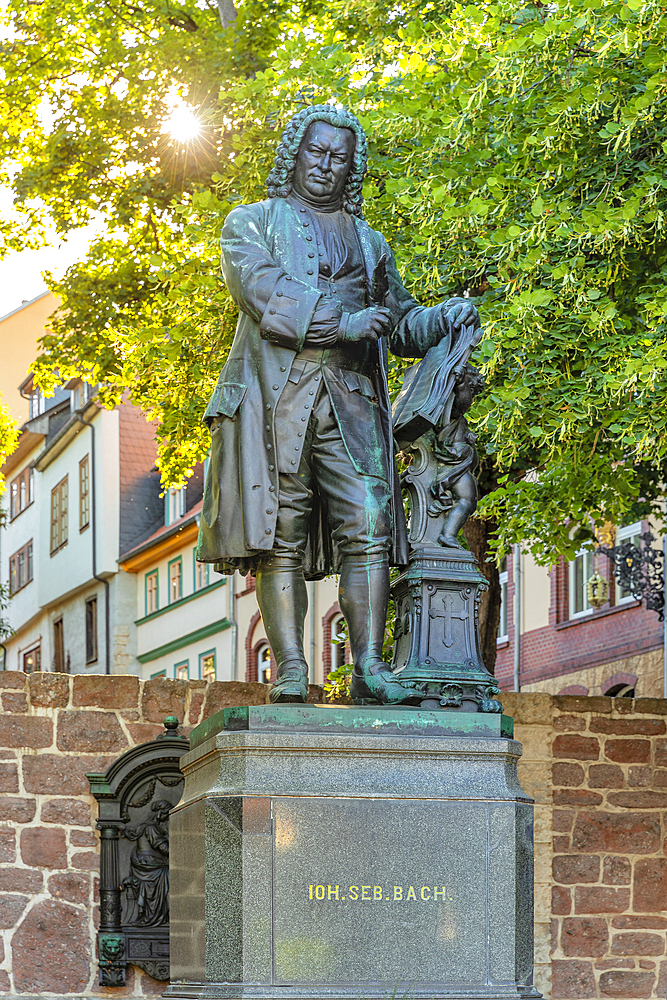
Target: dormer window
[37,403]
[174,505]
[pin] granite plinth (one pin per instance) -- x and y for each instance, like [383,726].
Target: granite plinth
[380,853]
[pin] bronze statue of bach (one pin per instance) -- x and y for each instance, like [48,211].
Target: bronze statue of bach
[302,480]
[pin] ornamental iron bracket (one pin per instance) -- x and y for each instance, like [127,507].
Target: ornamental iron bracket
[639,570]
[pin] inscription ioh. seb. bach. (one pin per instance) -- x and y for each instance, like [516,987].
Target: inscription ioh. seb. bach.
[378,893]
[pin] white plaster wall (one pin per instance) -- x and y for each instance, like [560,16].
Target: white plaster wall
[162,565]
[25,603]
[107,489]
[178,620]
[220,643]
[71,566]
[123,632]
[36,633]
[536,593]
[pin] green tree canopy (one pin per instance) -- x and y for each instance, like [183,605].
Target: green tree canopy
[517,152]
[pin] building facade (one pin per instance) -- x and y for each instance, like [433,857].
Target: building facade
[564,645]
[101,568]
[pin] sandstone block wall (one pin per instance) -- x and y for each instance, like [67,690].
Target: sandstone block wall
[54,729]
[596,767]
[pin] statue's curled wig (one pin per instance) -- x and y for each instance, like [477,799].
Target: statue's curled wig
[279,182]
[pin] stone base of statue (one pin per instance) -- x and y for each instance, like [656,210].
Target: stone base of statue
[330,853]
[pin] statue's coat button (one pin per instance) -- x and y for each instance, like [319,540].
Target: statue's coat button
[306,223]
[268,447]
[299,433]
[311,254]
[272,312]
[293,461]
[272,489]
[271,468]
[276,387]
[279,294]
[269,510]
[268,406]
[282,368]
[268,531]
[310,270]
[309,238]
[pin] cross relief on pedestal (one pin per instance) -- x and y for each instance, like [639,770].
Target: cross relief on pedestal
[447,614]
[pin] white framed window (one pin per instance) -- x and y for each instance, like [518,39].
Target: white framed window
[59,495]
[264,663]
[628,533]
[37,403]
[338,640]
[174,505]
[175,579]
[151,589]
[503,634]
[201,573]
[207,666]
[581,570]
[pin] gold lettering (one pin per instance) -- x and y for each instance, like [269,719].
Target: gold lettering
[426,892]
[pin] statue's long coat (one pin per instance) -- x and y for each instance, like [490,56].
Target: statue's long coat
[273,280]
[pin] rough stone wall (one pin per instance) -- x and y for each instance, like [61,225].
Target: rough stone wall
[53,730]
[596,767]
[532,714]
[609,777]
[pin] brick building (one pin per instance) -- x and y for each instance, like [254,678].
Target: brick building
[566,646]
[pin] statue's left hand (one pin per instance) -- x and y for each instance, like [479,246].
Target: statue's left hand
[460,312]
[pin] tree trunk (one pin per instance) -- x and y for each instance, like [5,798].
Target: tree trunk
[477,533]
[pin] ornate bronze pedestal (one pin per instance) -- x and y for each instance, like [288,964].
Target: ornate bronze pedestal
[437,601]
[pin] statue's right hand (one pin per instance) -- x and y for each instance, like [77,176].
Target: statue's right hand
[369,324]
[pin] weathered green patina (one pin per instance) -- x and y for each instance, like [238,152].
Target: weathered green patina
[302,479]
[394,720]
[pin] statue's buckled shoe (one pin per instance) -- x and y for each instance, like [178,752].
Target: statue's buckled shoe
[382,686]
[292,684]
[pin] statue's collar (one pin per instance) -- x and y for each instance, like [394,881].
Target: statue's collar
[324,207]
